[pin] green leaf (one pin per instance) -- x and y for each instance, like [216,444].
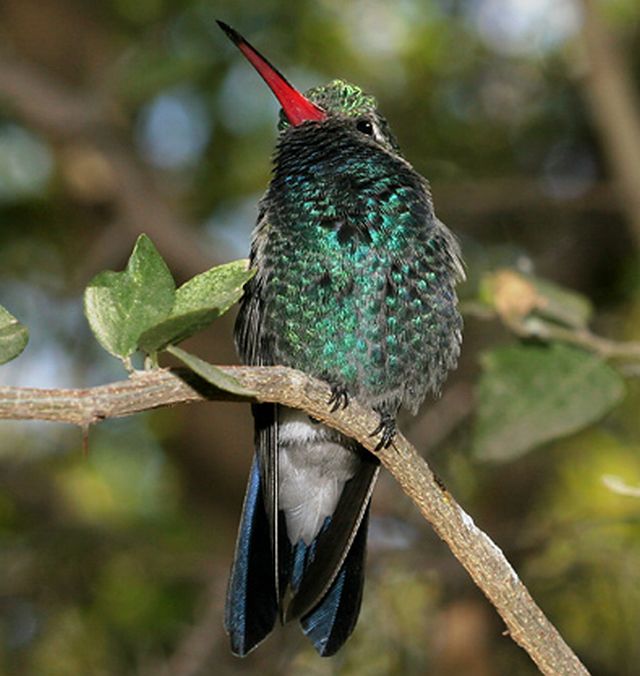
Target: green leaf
[516,296]
[528,395]
[198,302]
[219,287]
[120,306]
[175,329]
[210,373]
[13,336]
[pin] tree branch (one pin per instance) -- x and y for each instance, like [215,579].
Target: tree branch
[530,326]
[483,560]
[615,107]
[76,119]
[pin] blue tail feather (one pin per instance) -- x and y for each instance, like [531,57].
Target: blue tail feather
[331,622]
[251,606]
[325,578]
[299,557]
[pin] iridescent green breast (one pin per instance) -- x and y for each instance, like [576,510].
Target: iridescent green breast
[358,278]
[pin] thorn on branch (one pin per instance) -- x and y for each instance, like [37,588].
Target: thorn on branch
[85,439]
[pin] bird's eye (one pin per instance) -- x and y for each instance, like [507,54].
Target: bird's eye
[365,127]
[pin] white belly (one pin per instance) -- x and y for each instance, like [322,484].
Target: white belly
[313,470]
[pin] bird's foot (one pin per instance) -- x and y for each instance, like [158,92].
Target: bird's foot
[386,430]
[339,398]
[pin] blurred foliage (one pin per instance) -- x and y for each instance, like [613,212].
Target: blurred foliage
[116,564]
[528,395]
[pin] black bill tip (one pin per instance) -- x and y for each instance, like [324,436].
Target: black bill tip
[232,34]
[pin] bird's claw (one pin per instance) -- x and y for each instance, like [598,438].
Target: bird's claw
[339,398]
[386,430]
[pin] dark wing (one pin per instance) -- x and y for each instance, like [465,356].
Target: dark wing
[255,349]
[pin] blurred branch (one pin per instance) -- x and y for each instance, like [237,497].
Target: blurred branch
[616,109]
[75,119]
[92,124]
[604,347]
[530,326]
[484,561]
[49,107]
[71,119]
[485,197]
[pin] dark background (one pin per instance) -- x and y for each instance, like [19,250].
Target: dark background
[121,117]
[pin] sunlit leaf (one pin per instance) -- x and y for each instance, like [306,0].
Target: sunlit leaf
[209,372]
[120,306]
[13,336]
[219,287]
[528,395]
[197,303]
[618,485]
[515,296]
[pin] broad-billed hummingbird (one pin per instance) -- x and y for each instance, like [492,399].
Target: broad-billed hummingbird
[355,284]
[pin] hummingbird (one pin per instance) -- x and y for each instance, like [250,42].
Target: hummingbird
[355,284]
